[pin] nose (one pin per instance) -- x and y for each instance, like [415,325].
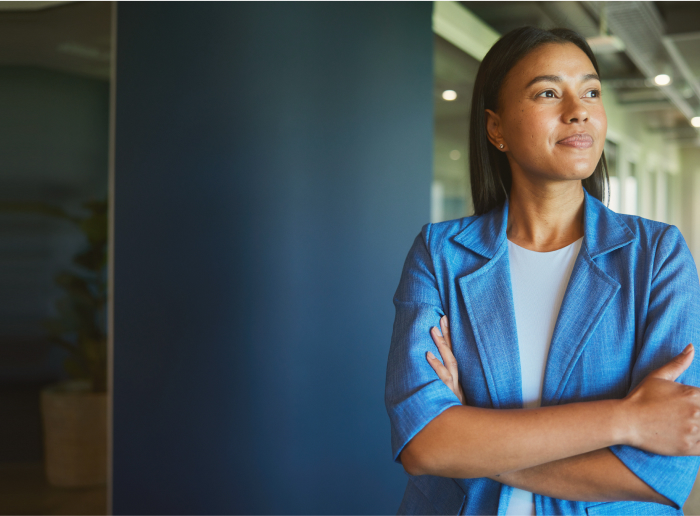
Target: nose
[575,111]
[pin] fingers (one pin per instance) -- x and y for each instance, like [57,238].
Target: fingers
[447,354]
[445,329]
[447,372]
[676,365]
[442,372]
[444,345]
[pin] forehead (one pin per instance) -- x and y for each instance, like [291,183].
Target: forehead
[565,60]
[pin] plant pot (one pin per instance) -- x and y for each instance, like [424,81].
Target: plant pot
[75,435]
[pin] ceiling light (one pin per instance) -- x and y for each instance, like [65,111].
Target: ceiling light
[605,44]
[449,94]
[695,121]
[84,51]
[662,80]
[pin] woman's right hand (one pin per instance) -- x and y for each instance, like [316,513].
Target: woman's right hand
[665,415]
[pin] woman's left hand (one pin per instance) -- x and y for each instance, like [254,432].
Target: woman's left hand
[448,372]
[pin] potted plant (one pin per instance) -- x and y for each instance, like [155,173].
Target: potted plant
[74,412]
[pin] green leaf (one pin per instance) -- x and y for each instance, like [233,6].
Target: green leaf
[38,208]
[93,259]
[76,369]
[79,326]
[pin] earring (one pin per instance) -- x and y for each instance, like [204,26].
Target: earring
[501,146]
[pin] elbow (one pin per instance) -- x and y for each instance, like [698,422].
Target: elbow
[411,460]
[417,460]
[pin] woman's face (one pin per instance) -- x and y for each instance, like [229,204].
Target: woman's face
[550,120]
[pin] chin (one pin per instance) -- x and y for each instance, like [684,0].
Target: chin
[584,174]
[570,175]
[580,170]
[561,169]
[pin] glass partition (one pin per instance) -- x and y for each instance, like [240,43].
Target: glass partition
[454,74]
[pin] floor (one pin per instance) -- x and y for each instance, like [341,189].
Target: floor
[22,440]
[24,490]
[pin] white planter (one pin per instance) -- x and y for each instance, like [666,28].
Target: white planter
[75,435]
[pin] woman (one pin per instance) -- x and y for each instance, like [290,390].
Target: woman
[556,304]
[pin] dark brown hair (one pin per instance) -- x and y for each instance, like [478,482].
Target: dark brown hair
[489,168]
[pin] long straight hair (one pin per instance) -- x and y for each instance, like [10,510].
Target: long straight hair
[489,169]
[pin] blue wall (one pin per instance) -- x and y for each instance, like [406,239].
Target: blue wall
[273,165]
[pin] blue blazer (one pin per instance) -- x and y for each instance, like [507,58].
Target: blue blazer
[632,303]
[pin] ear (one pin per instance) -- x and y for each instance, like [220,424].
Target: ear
[493,130]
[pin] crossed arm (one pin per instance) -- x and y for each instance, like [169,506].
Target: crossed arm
[596,451]
[597,476]
[560,451]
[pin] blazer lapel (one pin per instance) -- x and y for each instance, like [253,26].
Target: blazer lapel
[588,295]
[488,299]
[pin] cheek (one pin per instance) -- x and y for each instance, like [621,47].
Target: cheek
[533,127]
[599,119]
[602,126]
[518,119]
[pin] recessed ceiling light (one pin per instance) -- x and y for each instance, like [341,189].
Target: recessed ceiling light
[84,51]
[695,121]
[449,94]
[662,80]
[605,44]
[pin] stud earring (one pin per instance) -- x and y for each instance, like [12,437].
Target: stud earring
[501,146]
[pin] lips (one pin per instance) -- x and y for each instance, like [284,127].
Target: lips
[578,141]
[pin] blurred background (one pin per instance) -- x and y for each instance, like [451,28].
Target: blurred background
[261,170]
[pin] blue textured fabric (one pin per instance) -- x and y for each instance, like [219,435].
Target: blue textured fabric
[632,303]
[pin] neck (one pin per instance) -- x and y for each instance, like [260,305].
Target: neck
[547,217]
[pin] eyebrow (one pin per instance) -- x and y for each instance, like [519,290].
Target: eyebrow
[556,78]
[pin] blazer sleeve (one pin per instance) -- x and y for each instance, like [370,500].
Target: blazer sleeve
[414,393]
[673,321]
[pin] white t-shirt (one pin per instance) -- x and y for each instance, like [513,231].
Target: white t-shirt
[539,281]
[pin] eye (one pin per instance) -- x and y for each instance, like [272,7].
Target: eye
[550,94]
[592,93]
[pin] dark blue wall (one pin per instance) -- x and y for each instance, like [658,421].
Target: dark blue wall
[273,165]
